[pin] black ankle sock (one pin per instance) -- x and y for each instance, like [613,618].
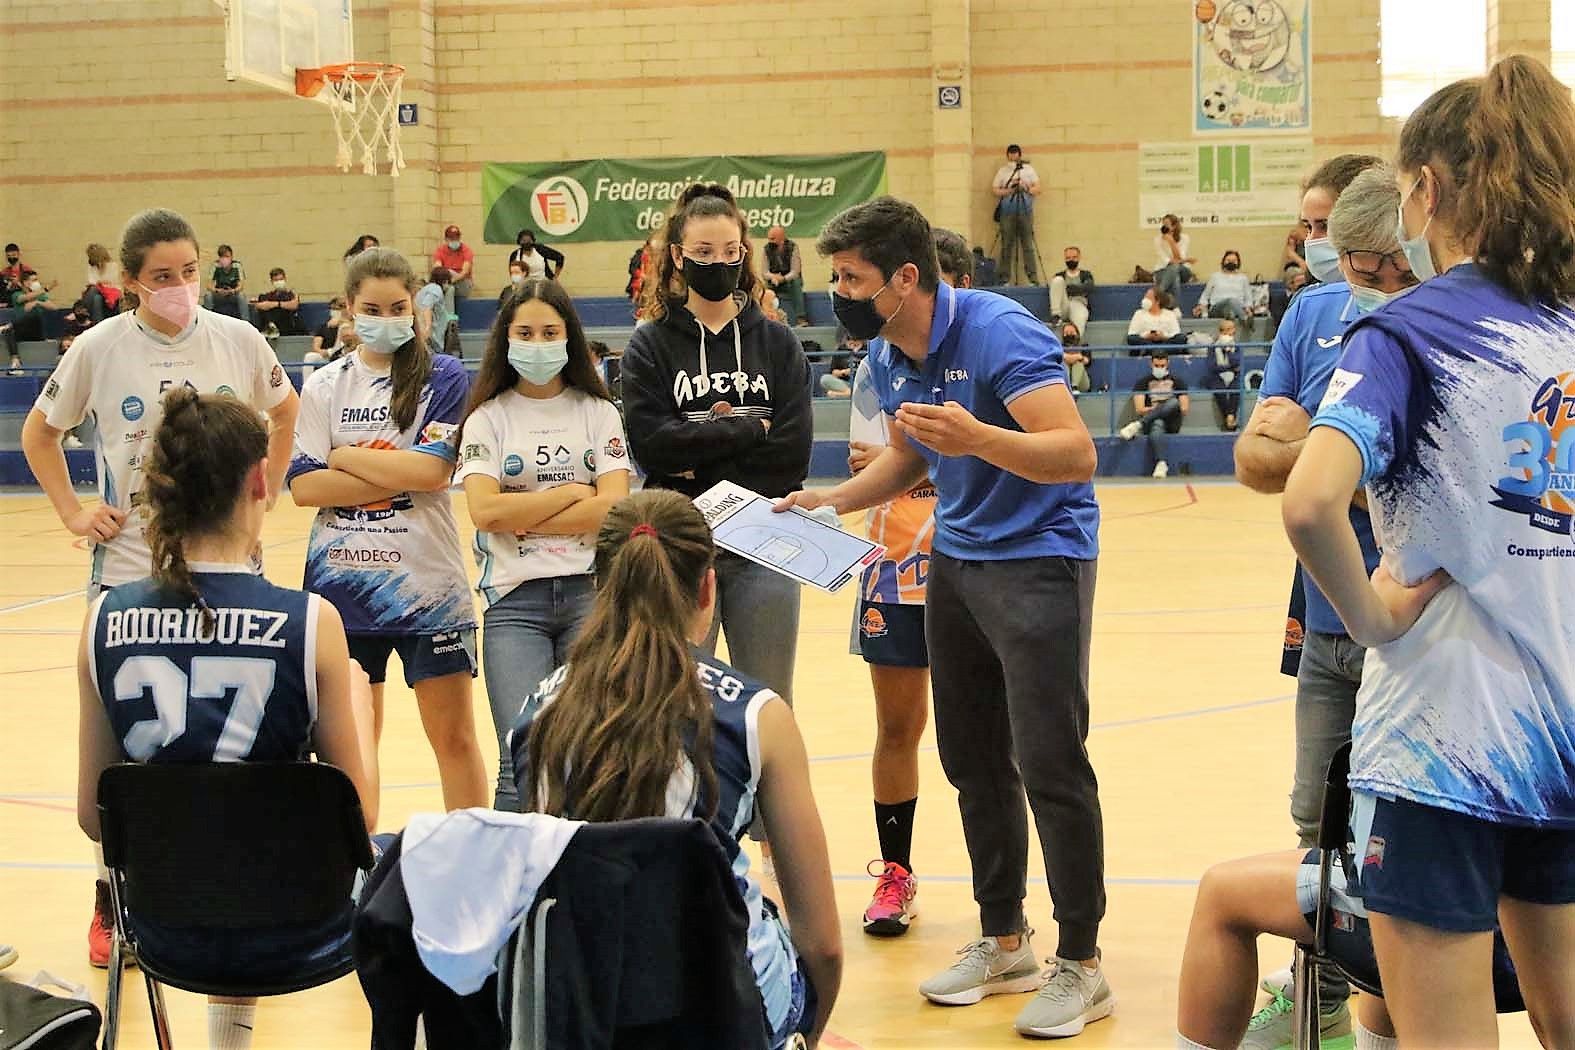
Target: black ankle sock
[894,825]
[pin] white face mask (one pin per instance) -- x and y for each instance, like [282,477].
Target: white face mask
[1323,262]
[1417,253]
[1160,373]
[1370,299]
[384,335]
[281,285]
[516,278]
[36,286]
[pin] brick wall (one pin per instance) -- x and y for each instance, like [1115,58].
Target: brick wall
[128,107]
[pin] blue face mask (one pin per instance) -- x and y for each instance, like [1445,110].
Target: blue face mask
[384,335]
[539,363]
[1417,253]
[1370,299]
[1323,262]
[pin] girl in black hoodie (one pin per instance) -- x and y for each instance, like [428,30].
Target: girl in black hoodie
[714,390]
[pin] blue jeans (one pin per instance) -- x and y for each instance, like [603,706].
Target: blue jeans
[1171,278]
[1159,423]
[525,637]
[758,608]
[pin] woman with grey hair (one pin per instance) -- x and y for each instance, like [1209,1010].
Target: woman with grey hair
[1362,231]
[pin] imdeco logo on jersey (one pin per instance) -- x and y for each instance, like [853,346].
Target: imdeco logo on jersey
[559,205]
[1541,482]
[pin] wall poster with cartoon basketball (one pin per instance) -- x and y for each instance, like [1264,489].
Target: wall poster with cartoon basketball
[1252,65]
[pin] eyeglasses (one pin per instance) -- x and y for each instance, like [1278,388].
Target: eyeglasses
[1371,264]
[732,254]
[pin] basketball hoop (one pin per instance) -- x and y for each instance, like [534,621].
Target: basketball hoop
[365,105]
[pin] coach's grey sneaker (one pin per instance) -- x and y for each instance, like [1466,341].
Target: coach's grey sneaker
[985,969]
[1069,999]
[1274,1027]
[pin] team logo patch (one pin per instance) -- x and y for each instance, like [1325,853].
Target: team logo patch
[475,450]
[590,460]
[435,433]
[1541,459]
[52,389]
[873,623]
[615,449]
[132,408]
[1294,633]
[1344,921]
[1375,852]
[276,377]
[1340,384]
[513,465]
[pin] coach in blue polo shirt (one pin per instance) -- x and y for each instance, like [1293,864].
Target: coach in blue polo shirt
[981,405]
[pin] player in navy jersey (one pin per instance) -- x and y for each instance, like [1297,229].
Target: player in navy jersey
[652,726]
[205,661]
[1453,405]
[374,452]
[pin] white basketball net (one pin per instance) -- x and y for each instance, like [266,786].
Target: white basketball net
[366,117]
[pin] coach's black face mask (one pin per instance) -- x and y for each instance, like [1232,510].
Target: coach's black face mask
[859,316]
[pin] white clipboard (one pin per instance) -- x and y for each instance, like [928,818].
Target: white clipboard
[796,544]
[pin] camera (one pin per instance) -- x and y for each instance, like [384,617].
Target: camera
[1165,229]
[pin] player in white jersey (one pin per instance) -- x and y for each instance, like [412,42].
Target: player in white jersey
[542,458]
[205,661]
[1454,406]
[116,373]
[374,451]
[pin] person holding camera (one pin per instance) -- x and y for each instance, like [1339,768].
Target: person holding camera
[1173,251]
[1016,185]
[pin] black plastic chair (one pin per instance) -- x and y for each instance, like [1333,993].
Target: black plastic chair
[1333,831]
[237,850]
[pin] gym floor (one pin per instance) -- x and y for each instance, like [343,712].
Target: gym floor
[1192,740]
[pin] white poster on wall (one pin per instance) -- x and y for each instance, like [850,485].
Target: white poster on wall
[1250,183]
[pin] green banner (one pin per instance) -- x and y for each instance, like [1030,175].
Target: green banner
[624,200]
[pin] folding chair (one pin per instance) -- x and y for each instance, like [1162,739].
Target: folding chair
[227,850]
[1333,830]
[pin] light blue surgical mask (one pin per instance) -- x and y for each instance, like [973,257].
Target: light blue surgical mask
[539,363]
[1417,253]
[1370,299]
[1323,262]
[384,335]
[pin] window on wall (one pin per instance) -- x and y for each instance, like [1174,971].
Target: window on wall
[1564,43]
[1425,44]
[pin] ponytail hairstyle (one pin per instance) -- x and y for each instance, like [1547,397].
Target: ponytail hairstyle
[631,711]
[144,230]
[97,256]
[700,200]
[1503,149]
[203,449]
[497,374]
[412,363]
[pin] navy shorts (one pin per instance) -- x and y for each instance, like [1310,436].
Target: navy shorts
[1446,870]
[889,635]
[423,656]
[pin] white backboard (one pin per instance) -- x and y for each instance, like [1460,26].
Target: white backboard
[266,41]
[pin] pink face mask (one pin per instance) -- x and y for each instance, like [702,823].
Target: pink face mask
[177,304]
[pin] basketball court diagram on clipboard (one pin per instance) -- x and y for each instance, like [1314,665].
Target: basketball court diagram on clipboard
[795,544]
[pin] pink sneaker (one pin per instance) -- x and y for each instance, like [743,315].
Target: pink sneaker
[892,908]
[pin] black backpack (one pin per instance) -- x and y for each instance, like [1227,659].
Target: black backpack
[33,1019]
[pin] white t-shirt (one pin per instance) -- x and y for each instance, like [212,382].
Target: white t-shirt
[530,445]
[535,263]
[393,566]
[1162,249]
[117,373]
[1167,323]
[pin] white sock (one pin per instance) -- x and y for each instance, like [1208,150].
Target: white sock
[1183,1043]
[230,1025]
[1366,1039]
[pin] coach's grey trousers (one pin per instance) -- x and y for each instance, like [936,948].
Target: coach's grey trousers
[1009,647]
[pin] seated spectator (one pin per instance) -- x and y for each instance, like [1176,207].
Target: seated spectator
[771,306]
[1224,370]
[1227,292]
[539,260]
[226,285]
[432,311]
[325,341]
[362,243]
[1075,357]
[279,308]
[608,366]
[205,492]
[653,726]
[985,272]
[102,294]
[1069,290]
[785,274]
[517,277]
[1154,321]
[29,302]
[838,382]
[1173,259]
[951,251]
[1162,403]
[455,256]
[15,272]
[79,320]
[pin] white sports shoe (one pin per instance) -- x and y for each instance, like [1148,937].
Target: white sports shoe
[1131,430]
[984,969]
[1162,469]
